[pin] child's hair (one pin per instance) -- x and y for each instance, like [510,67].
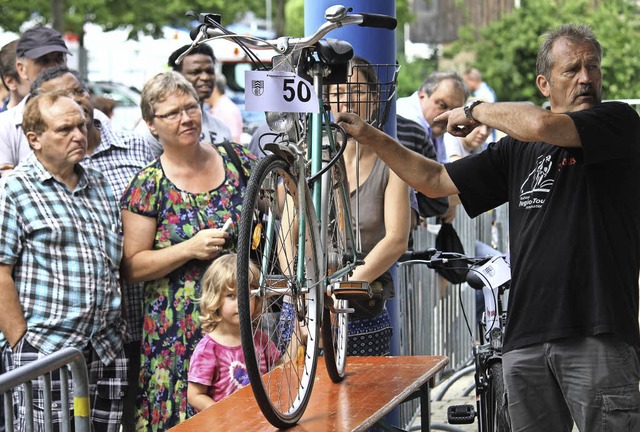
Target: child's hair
[219,280]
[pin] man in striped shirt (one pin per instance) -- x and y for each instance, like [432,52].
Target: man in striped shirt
[59,261]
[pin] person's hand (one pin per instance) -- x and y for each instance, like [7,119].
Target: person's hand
[208,243]
[457,122]
[356,127]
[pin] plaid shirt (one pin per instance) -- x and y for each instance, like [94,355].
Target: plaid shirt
[120,156]
[65,247]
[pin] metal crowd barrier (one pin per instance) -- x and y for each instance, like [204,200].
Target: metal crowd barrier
[41,370]
[432,311]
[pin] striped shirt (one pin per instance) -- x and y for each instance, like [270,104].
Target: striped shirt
[66,248]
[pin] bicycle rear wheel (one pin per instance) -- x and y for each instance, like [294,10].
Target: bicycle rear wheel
[499,410]
[337,242]
[286,294]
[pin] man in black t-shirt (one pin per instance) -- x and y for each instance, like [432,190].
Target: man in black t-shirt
[571,177]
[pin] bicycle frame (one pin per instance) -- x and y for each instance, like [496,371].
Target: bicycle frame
[291,199]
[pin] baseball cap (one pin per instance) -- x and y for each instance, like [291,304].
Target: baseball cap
[39,41]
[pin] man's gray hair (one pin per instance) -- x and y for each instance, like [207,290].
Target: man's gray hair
[576,33]
[161,87]
[431,83]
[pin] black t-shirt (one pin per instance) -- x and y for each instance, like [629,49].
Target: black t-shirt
[574,226]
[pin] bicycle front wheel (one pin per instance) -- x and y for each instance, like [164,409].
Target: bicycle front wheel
[499,409]
[280,302]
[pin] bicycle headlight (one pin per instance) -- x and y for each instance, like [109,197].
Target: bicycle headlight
[280,122]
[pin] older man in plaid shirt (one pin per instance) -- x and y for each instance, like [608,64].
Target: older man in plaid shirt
[59,260]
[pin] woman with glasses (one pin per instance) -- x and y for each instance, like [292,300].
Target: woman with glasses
[174,215]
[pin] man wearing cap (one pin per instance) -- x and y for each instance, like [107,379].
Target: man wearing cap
[38,49]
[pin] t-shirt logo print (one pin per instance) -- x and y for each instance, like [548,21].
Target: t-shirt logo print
[536,186]
[238,374]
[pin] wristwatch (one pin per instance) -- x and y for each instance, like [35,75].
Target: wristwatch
[469,106]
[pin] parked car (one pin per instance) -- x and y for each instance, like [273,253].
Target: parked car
[126,113]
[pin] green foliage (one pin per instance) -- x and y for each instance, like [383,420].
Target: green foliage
[294,22]
[148,16]
[506,49]
[413,73]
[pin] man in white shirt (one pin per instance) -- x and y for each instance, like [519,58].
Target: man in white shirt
[440,92]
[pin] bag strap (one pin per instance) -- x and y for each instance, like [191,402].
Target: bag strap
[235,159]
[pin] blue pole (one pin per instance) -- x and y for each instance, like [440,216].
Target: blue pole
[374,44]
[379,47]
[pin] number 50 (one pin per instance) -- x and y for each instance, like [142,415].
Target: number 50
[304,93]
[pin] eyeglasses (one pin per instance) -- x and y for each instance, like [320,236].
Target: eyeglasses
[191,110]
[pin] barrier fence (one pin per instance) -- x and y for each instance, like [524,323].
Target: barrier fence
[431,310]
[41,369]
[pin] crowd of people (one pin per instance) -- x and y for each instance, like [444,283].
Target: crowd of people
[117,242]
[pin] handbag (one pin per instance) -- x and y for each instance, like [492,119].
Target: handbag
[447,240]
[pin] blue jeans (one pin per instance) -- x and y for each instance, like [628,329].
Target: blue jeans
[592,381]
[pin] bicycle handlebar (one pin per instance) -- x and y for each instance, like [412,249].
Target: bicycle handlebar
[378,21]
[434,258]
[337,16]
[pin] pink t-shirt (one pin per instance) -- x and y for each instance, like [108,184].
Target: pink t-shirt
[222,368]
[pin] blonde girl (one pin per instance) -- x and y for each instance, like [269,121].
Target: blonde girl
[217,364]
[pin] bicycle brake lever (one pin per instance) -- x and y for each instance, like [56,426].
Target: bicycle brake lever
[197,39]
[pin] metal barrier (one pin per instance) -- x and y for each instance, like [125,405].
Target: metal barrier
[432,311]
[41,370]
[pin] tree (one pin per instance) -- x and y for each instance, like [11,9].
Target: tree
[506,50]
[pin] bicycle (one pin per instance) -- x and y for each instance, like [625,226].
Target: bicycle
[492,276]
[296,221]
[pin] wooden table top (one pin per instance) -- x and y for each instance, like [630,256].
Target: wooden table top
[373,386]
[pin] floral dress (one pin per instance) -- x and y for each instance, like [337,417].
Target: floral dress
[170,330]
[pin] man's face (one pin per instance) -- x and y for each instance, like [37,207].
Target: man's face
[29,69]
[64,141]
[576,78]
[446,97]
[200,71]
[73,88]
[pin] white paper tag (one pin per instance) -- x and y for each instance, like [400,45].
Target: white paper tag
[496,271]
[279,91]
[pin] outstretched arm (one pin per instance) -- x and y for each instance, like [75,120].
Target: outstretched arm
[520,120]
[423,174]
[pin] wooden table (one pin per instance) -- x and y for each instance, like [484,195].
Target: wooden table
[372,388]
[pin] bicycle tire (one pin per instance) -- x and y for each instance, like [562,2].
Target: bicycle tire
[337,249]
[500,414]
[287,306]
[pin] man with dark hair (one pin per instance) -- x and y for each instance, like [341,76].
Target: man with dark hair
[60,264]
[16,86]
[571,176]
[38,49]
[199,69]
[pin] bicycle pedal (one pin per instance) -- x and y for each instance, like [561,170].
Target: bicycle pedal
[345,289]
[276,281]
[461,414]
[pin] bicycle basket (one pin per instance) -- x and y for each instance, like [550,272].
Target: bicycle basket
[368,92]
